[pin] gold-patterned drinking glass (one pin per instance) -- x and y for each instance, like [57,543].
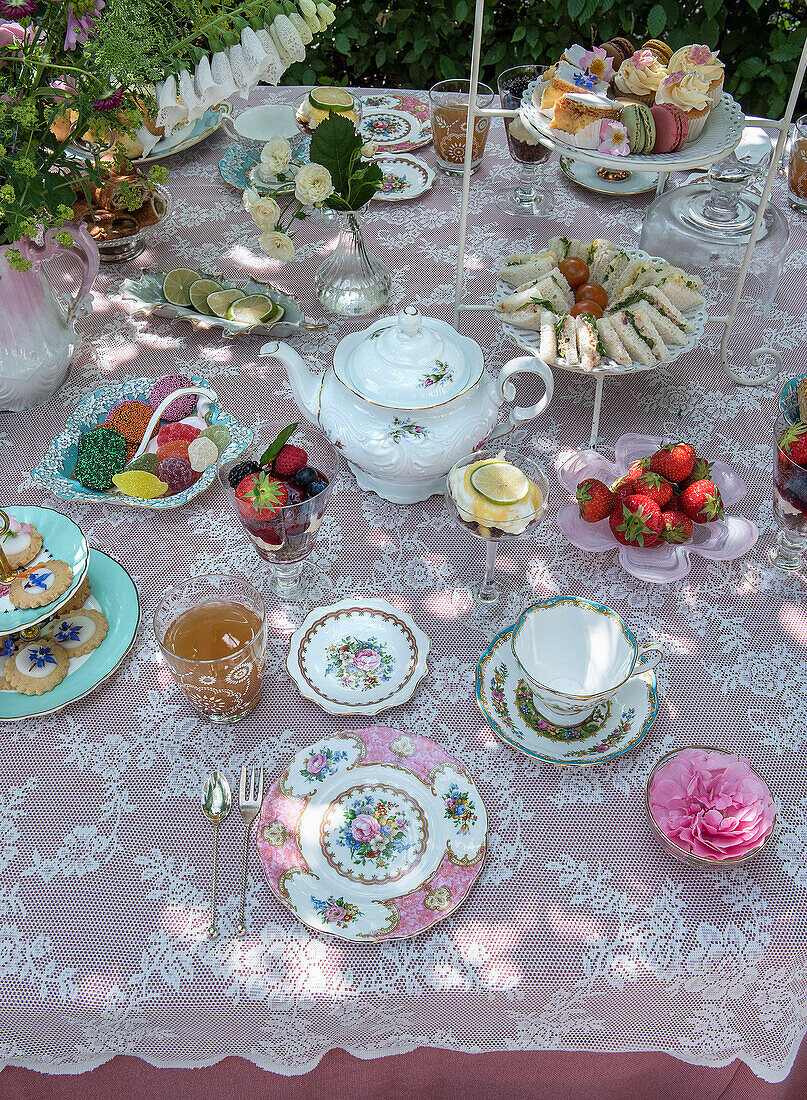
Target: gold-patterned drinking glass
[212,634]
[448,106]
[797,170]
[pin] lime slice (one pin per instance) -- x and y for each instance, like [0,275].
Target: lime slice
[176,285]
[500,482]
[221,300]
[198,293]
[252,310]
[331,99]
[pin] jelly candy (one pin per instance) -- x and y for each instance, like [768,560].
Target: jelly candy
[202,452]
[219,433]
[177,474]
[176,431]
[137,483]
[147,462]
[175,448]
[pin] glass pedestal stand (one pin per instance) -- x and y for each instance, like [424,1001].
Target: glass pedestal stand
[757,356]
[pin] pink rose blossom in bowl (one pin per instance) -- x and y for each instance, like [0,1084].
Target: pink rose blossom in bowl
[334,913]
[316,763]
[364,828]
[367,660]
[709,808]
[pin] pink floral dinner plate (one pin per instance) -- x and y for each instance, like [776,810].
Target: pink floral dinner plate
[720,540]
[395,122]
[372,835]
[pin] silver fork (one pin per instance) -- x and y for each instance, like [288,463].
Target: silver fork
[249,804]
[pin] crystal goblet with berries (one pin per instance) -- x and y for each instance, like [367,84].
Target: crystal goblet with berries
[790,496]
[280,495]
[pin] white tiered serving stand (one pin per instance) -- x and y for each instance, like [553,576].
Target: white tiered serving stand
[673,162]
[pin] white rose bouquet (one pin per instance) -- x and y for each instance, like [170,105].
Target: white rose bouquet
[341,176]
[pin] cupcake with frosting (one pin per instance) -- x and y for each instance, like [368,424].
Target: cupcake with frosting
[690,93]
[704,63]
[640,77]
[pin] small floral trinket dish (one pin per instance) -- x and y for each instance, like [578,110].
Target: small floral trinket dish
[56,468]
[372,835]
[403,177]
[358,657]
[721,540]
[506,700]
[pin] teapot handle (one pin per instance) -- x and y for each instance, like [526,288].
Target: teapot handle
[83,249]
[525,364]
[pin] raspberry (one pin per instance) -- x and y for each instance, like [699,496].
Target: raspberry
[290,460]
[176,431]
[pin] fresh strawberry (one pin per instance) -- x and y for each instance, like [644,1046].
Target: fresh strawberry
[595,499]
[290,460]
[260,497]
[675,526]
[637,522]
[793,444]
[673,461]
[654,486]
[624,488]
[701,501]
[637,468]
[673,504]
[701,471]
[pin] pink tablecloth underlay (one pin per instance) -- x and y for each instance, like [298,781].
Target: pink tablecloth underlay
[580,934]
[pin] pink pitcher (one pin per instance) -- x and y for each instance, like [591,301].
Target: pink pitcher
[37,335]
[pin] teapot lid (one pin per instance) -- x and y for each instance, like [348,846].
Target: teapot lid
[408,362]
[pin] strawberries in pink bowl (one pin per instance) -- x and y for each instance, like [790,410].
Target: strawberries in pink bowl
[659,561]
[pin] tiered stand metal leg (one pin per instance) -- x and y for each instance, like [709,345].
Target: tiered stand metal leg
[781,125]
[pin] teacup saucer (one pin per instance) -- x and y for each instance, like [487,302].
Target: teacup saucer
[237,166]
[615,727]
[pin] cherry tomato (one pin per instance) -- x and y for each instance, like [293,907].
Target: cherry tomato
[586,307]
[591,292]
[574,271]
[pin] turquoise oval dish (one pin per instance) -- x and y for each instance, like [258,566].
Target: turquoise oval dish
[56,468]
[115,593]
[63,541]
[789,400]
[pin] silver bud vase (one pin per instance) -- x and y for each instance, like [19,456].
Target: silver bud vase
[352,281]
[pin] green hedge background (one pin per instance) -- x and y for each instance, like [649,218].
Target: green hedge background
[412,44]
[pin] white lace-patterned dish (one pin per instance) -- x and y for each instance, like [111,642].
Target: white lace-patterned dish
[506,700]
[721,540]
[358,657]
[404,177]
[373,835]
[722,133]
[525,338]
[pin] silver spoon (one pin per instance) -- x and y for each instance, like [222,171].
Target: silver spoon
[216,802]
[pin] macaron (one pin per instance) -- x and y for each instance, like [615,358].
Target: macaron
[660,49]
[671,128]
[638,121]
[619,50]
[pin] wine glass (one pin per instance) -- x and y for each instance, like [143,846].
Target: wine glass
[789,506]
[468,511]
[521,200]
[285,536]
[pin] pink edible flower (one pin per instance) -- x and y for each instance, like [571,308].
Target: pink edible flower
[613,139]
[700,55]
[711,804]
[109,102]
[597,63]
[81,24]
[643,59]
[673,78]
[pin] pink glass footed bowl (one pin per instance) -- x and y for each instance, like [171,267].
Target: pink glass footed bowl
[759,837]
[721,540]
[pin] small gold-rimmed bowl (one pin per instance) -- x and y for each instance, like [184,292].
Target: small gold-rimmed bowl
[682,854]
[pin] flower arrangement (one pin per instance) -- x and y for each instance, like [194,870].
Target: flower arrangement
[124,73]
[341,175]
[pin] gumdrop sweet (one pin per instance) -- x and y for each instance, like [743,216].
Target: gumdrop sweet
[137,483]
[147,462]
[219,433]
[175,448]
[179,409]
[202,452]
[177,474]
[169,432]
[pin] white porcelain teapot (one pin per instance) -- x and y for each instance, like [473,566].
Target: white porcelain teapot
[405,398]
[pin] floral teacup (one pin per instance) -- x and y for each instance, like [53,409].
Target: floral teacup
[576,654]
[257,125]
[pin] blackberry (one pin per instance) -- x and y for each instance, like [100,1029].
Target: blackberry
[239,472]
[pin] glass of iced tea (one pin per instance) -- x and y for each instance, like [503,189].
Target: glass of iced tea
[797,174]
[448,104]
[212,633]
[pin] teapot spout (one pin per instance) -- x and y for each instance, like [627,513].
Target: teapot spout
[305,384]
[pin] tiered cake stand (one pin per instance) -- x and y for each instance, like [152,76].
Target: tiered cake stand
[720,136]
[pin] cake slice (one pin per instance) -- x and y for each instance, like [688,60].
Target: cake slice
[578,116]
[567,78]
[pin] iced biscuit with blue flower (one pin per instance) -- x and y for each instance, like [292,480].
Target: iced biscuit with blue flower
[37,667]
[40,585]
[79,632]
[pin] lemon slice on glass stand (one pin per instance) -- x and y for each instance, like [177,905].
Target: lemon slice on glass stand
[254,309]
[330,99]
[198,293]
[221,300]
[500,482]
[176,285]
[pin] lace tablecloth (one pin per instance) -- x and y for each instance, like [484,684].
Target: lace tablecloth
[580,934]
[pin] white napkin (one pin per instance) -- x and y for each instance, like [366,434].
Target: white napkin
[170,112]
[222,75]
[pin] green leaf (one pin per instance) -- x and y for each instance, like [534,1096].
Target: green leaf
[342,43]
[460,11]
[787,51]
[332,145]
[519,33]
[657,20]
[575,8]
[274,448]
